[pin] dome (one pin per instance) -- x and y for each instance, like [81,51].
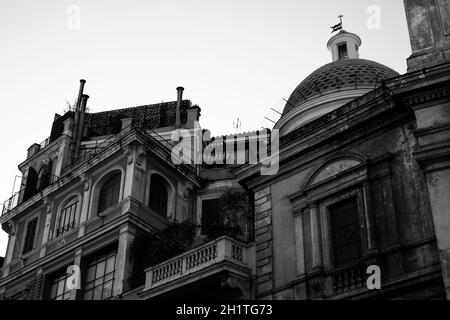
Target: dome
[335,84]
[338,76]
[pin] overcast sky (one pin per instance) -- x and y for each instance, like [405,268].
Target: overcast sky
[235,58]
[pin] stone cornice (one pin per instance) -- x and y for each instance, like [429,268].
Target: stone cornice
[421,86]
[362,117]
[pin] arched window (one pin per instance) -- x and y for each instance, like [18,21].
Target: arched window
[109,193]
[43,180]
[159,195]
[67,216]
[44,177]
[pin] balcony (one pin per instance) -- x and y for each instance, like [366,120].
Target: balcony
[349,280]
[20,196]
[219,257]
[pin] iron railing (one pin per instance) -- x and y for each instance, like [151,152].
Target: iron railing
[19,197]
[98,148]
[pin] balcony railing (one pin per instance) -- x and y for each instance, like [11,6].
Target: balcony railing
[19,197]
[349,278]
[94,150]
[221,250]
[12,202]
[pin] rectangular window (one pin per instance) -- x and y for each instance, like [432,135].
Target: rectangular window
[343,53]
[59,290]
[345,231]
[30,234]
[99,281]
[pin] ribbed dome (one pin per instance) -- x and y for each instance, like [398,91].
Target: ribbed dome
[341,75]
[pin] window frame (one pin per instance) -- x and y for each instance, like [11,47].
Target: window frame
[199,211]
[342,45]
[24,235]
[70,200]
[171,199]
[96,258]
[61,275]
[98,184]
[327,238]
[117,184]
[352,179]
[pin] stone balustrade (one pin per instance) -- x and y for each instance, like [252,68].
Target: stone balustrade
[213,253]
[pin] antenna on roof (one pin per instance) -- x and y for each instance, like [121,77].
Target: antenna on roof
[274,113]
[237,125]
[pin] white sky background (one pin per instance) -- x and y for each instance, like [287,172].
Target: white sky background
[235,58]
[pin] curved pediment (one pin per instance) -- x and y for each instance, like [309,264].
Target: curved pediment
[330,169]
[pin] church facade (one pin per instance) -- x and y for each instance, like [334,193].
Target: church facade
[362,191]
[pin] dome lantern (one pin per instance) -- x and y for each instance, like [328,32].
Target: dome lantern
[344,45]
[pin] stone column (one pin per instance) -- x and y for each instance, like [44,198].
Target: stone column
[368,217]
[316,240]
[301,287]
[299,244]
[124,261]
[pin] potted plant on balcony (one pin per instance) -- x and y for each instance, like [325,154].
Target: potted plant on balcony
[231,217]
[149,249]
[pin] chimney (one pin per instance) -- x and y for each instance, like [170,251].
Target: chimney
[77,108]
[80,125]
[193,115]
[77,123]
[80,93]
[178,113]
[84,99]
